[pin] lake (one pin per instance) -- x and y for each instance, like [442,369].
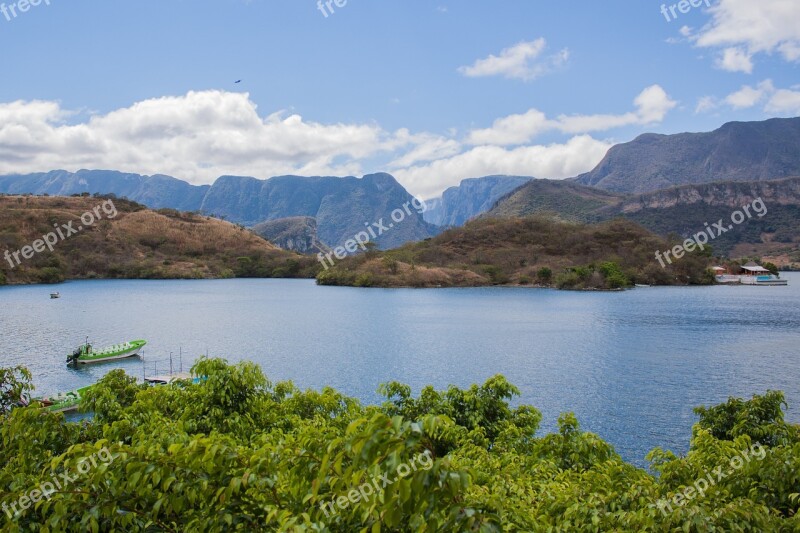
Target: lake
[631,364]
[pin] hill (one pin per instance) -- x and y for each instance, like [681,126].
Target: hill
[738,151]
[538,251]
[680,210]
[127,240]
[564,199]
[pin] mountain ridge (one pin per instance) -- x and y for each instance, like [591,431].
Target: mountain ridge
[736,151]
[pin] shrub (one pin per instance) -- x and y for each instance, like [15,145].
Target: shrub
[50,275]
[545,275]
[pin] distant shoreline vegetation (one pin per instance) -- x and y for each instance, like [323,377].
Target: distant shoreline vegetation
[535,251]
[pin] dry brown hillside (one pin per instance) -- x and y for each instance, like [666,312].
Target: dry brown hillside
[133,243]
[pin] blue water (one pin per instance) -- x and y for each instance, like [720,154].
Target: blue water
[631,365]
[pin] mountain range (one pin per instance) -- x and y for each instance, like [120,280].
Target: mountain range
[738,151]
[668,183]
[342,207]
[681,210]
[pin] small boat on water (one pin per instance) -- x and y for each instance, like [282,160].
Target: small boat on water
[54,295]
[86,354]
[64,402]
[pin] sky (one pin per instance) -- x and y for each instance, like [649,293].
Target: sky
[432,92]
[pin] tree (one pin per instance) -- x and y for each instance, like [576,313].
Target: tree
[15,383]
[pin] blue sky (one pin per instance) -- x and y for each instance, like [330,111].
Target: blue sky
[433,92]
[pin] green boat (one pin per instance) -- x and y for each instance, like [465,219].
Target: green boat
[64,402]
[86,354]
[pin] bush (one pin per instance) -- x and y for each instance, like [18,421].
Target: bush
[545,275]
[50,275]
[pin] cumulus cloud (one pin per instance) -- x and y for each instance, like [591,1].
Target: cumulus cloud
[577,155]
[748,96]
[784,102]
[521,61]
[706,104]
[776,102]
[194,137]
[741,29]
[735,60]
[652,105]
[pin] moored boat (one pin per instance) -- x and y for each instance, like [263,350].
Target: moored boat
[63,402]
[86,354]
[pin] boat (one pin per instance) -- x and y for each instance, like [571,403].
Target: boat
[64,402]
[54,295]
[642,286]
[86,354]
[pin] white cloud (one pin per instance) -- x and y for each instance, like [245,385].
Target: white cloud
[652,105]
[744,28]
[579,154]
[513,129]
[748,96]
[784,102]
[706,104]
[735,60]
[517,62]
[195,137]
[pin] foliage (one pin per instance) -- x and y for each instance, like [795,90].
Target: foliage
[14,384]
[230,451]
[760,418]
[610,255]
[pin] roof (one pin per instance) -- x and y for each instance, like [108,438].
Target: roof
[752,267]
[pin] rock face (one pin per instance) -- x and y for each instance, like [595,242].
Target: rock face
[298,234]
[342,207]
[470,199]
[738,151]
